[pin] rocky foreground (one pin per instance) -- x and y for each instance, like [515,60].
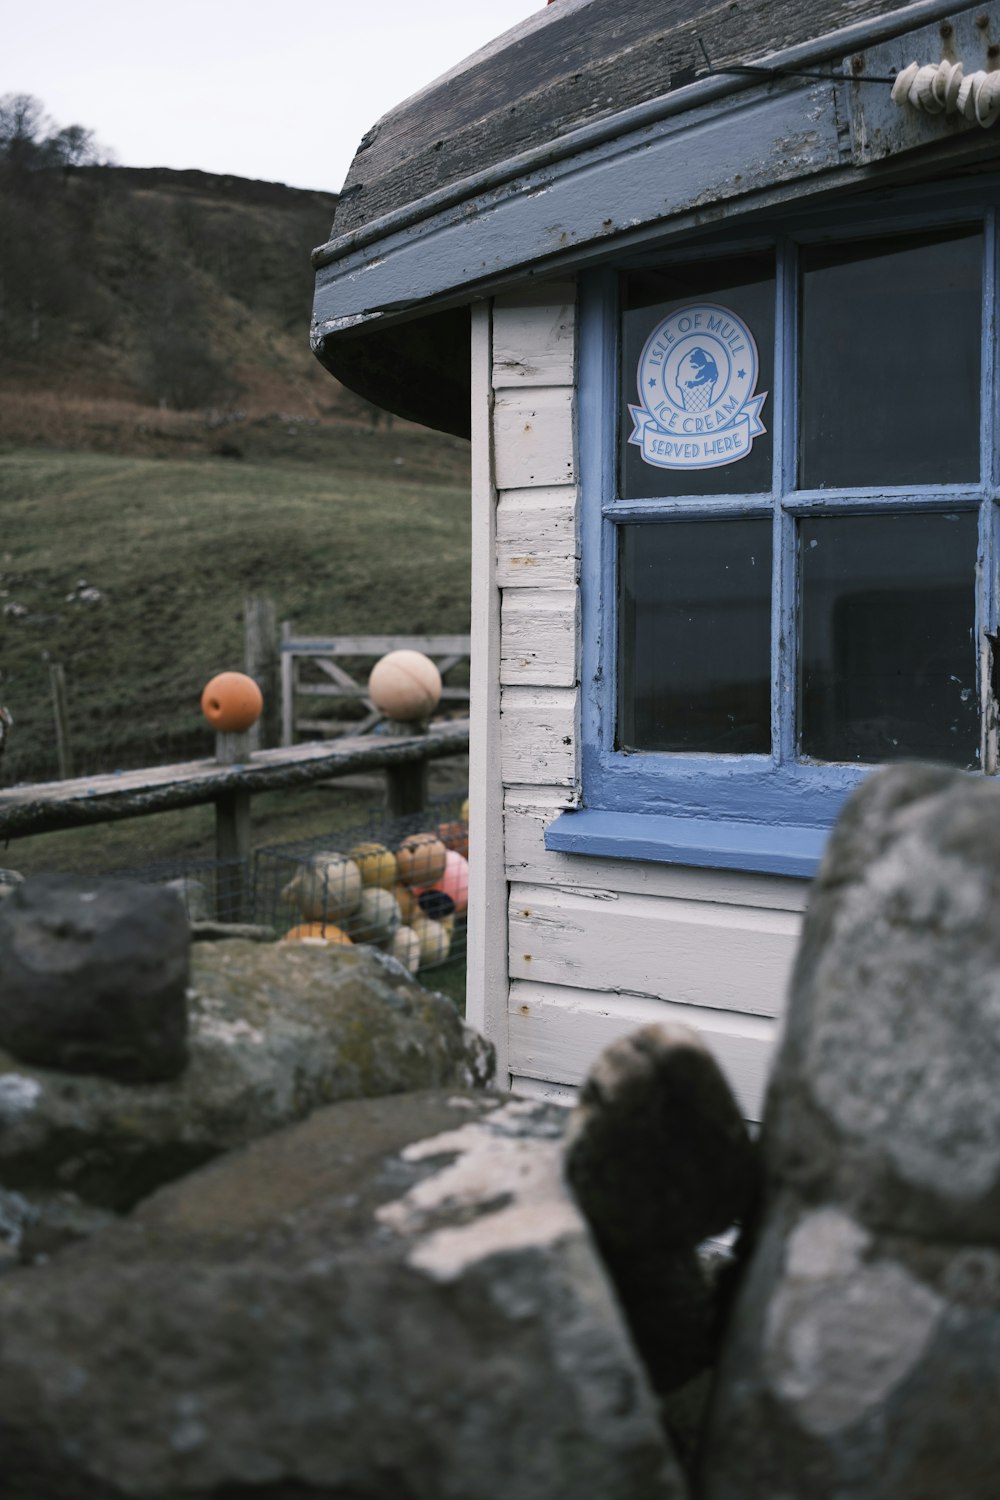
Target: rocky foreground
[321,1261]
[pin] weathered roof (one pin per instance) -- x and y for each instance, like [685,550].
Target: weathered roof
[514,163]
[574,62]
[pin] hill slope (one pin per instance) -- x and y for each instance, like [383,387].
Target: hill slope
[132,299]
[154,327]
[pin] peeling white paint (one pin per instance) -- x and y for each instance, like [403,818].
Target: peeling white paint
[494,1163]
[18,1096]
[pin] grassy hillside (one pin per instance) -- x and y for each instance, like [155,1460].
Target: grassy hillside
[169,445]
[130,297]
[132,573]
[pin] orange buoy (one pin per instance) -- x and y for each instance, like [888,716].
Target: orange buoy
[455,835]
[317,932]
[232,702]
[420,859]
[406,900]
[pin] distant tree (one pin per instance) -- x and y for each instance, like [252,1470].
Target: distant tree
[182,372]
[23,126]
[40,277]
[73,146]
[31,141]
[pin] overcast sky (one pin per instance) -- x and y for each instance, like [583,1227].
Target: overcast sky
[277,89]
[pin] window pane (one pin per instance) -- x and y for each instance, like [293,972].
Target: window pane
[697,352]
[888,653]
[694,640]
[890,358]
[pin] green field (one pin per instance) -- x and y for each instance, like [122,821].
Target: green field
[374,538]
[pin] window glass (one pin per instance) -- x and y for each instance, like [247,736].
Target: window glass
[694,636]
[890,361]
[888,650]
[697,352]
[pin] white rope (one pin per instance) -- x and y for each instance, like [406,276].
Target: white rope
[942,88]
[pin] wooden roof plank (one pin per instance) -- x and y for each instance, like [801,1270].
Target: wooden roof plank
[578,61]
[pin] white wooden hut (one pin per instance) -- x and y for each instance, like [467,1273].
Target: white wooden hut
[715,297]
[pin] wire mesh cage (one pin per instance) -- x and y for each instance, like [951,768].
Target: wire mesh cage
[212,890]
[399,884]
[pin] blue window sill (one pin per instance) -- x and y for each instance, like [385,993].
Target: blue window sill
[777,849]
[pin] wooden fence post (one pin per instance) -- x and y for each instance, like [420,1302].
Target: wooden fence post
[232,834]
[405,783]
[60,709]
[287,689]
[260,637]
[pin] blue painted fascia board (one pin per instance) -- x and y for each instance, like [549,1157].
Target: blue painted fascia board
[867,32]
[673,163]
[752,148]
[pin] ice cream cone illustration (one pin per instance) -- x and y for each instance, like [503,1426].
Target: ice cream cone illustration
[697,377]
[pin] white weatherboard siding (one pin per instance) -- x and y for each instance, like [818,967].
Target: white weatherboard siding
[539,637]
[555,1033]
[592,948]
[689,952]
[537,545]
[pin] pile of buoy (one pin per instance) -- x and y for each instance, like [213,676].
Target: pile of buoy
[945,88]
[409,900]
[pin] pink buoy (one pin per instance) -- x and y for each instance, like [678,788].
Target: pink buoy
[454,881]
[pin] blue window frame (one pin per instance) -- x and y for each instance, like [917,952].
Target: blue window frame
[871,501]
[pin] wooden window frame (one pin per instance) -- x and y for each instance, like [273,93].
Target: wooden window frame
[771,812]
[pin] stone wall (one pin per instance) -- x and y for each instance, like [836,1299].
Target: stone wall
[312,1255]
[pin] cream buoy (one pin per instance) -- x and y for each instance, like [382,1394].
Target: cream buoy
[405,685]
[406,947]
[232,702]
[326,888]
[376,918]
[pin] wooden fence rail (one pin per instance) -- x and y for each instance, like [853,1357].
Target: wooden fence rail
[327,655]
[48,807]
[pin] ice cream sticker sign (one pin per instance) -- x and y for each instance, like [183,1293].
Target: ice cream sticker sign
[696,375]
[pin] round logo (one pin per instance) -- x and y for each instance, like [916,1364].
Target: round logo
[696,379]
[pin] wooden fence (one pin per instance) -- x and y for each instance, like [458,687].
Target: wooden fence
[337,667]
[46,807]
[290,668]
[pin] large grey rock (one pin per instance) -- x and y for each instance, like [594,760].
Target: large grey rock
[32,1228]
[276,1030]
[659,1158]
[884,1094]
[92,977]
[396,1300]
[863,1361]
[858,1367]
